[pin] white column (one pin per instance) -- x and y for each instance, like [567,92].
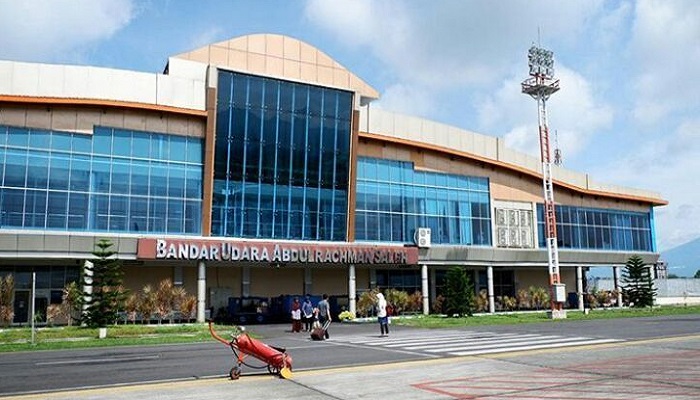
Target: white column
[32,313]
[433,289]
[201,290]
[352,290]
[489,280]
[579,286]
[424,289]
[618,289]
[87,285]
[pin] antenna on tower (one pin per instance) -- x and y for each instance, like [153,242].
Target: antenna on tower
[557,151]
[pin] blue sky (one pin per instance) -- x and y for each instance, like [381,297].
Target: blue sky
[628,112]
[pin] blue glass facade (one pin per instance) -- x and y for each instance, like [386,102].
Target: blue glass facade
[599,229]
[393,200]
[281,162]
[115,180]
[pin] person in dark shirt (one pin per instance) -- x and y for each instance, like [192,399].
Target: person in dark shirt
[324,314]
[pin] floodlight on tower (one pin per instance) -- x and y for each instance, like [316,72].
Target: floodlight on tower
[540,86]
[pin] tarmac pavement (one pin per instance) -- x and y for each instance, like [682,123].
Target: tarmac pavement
[663,368]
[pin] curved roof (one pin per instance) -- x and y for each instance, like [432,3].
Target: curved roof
[281,57]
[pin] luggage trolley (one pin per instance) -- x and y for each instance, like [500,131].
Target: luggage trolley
[276,359]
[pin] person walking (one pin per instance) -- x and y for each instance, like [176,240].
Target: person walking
[324,314]
[382,315]
[307,313]
[296,315]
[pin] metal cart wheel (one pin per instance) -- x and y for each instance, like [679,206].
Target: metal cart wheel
[273,370]
[235,373]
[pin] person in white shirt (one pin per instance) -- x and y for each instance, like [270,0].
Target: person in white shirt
[382,315]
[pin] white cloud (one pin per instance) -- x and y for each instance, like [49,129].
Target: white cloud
[55,30]
[408,99]
[574,112]
[457,43]
[666,50]
[666,165]
[208,36]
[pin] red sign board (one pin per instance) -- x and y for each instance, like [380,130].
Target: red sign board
[273,252]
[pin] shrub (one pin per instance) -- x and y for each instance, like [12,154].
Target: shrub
[523,298]
[482,301]
[539,297]
[146,303]
[398,299]
[508,303]
[188,307]
[366,303]
[72,302]
[438,304]
[346,316]
[7,309]
[415,302]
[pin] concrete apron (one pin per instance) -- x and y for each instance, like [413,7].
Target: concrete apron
[651,369]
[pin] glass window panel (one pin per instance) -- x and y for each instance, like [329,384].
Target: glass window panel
[59,172]
[139,177]
[39,139]
[82,143]
[78,211]
[58,277]
[178,148]
[57,210]
[102,140]
[35,209]
[80,173]
[176,181]
[18,137]
[60,141]
[157,212]
[100,175]
[122,143]
[12,201]
[194,150]
[138,214]
[175,215]
[120,177]
[37,171]
[118,213]
[159,180]
[141,144]
[193,184]
[15,168]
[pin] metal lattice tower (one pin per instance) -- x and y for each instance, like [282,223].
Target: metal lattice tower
[540,85]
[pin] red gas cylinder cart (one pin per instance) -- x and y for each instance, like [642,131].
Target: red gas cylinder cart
[276,359]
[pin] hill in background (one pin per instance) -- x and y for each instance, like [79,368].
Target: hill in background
[683,260]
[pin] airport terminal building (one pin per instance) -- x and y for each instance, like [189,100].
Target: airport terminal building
[257,166]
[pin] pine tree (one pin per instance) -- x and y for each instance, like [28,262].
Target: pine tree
[638,285]
[459,293]
[105,276]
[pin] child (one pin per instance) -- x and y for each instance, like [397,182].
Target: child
[296,316]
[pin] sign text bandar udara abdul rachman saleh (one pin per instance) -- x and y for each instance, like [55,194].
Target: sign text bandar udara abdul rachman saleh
[277,253]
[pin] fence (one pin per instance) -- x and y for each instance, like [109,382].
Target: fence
[668,291]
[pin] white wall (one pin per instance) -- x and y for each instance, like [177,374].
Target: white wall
[186,90]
